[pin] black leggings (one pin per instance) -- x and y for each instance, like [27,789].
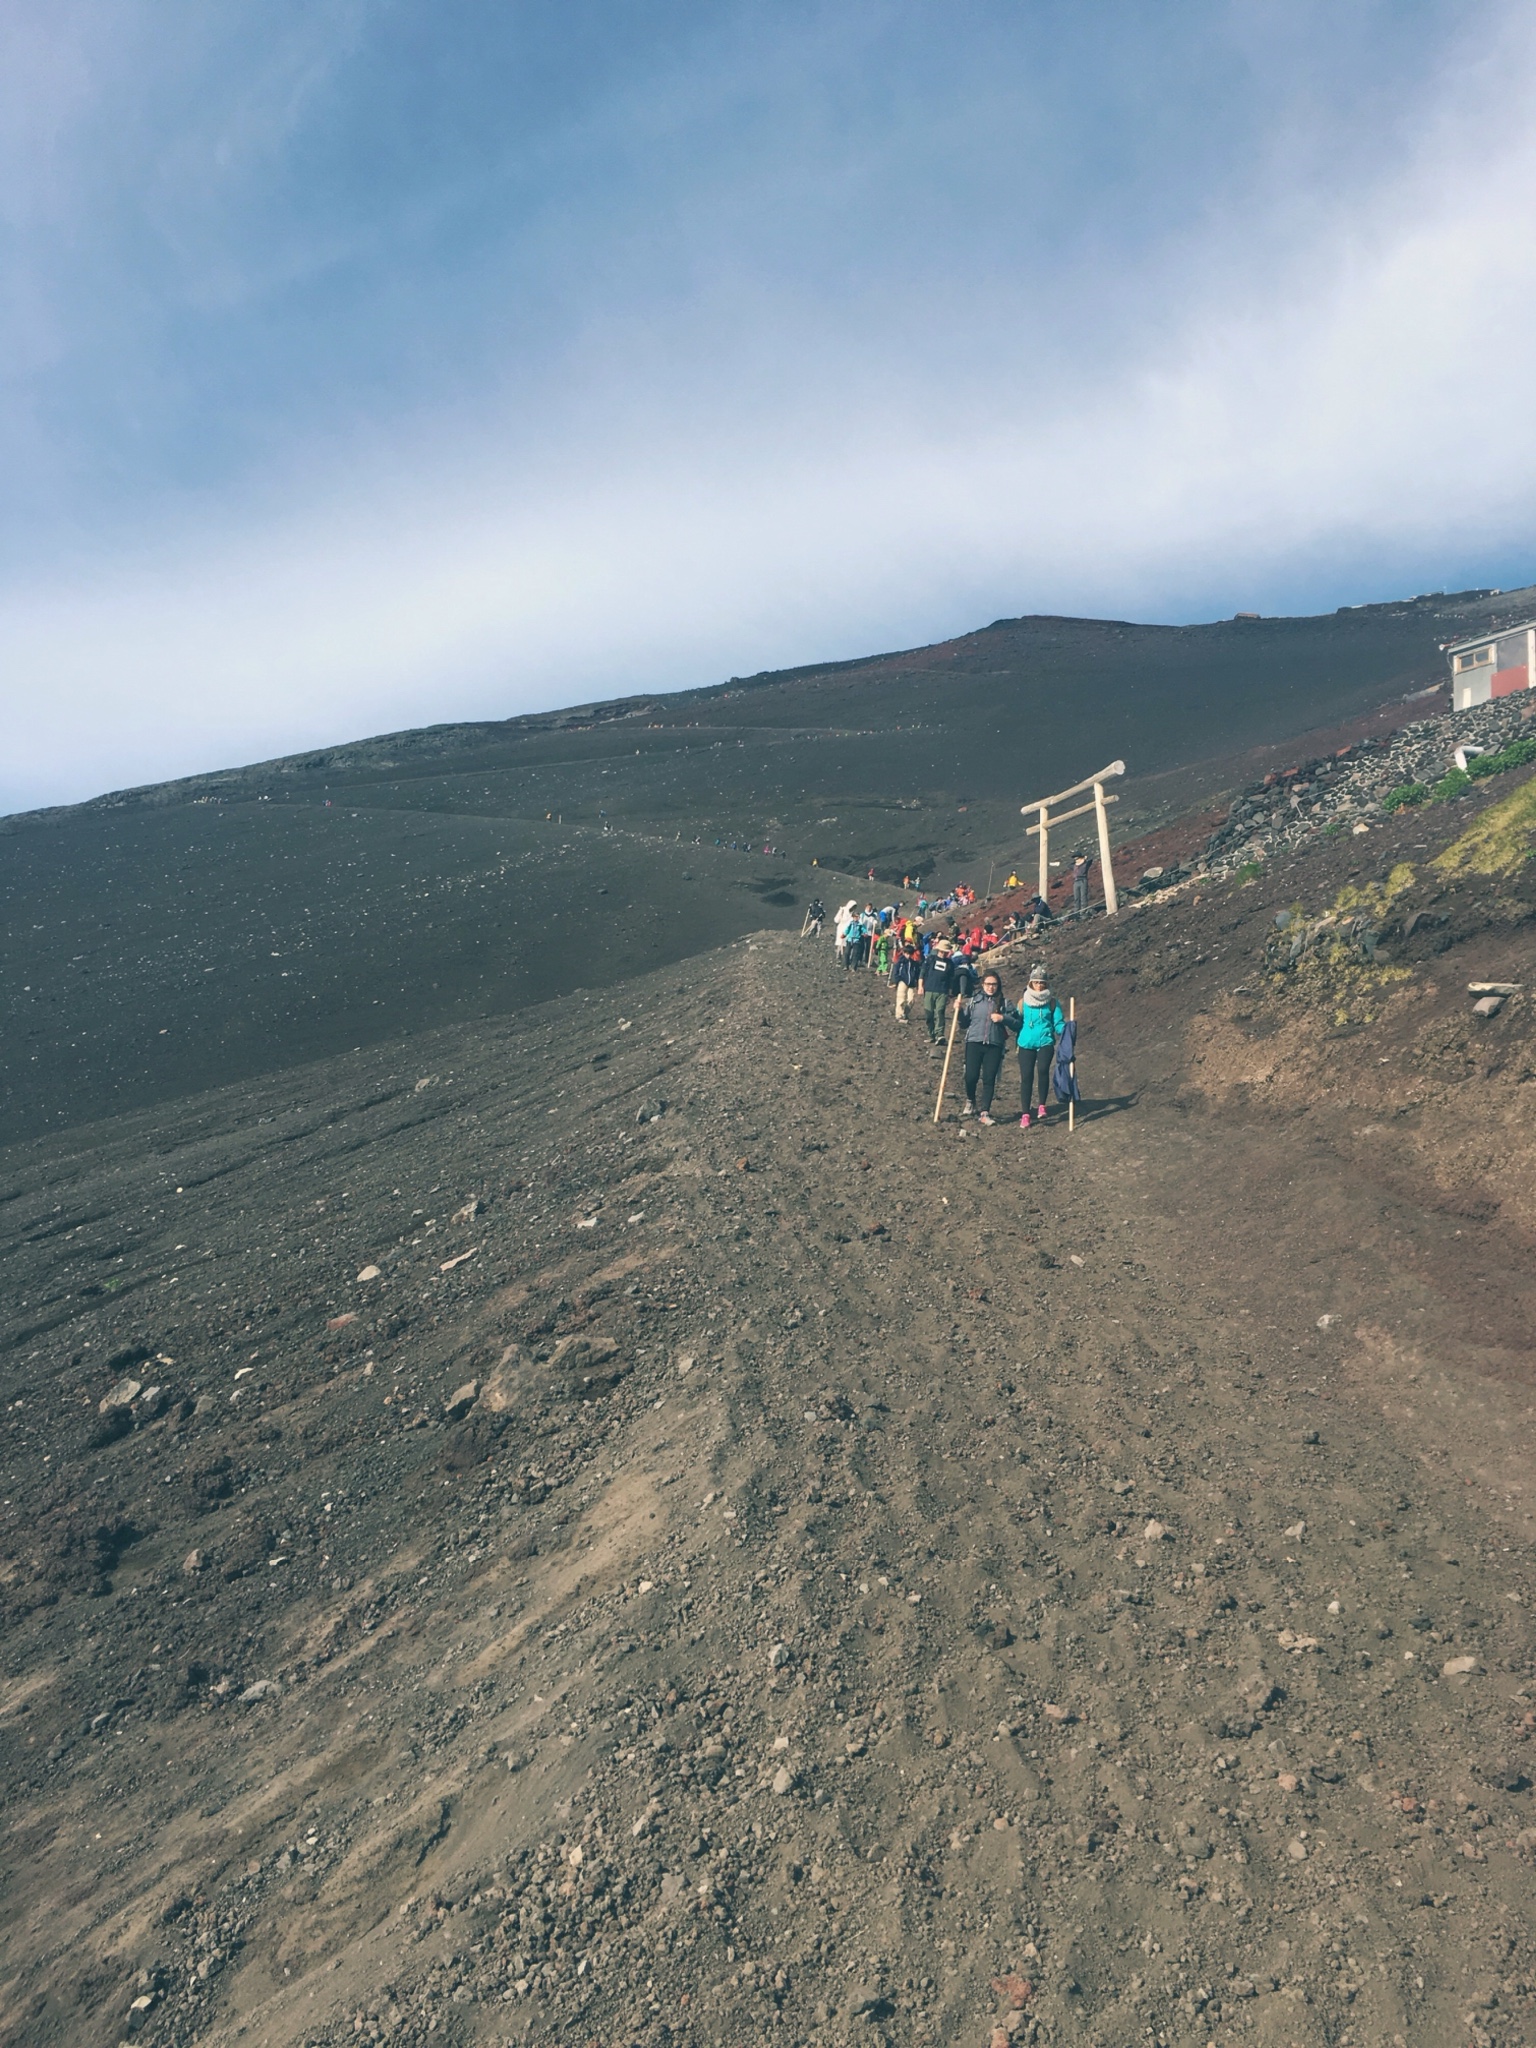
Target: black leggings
[1034,1073]
[982,1063]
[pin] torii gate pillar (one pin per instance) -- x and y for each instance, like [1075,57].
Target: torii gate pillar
[1045,855]
[1106,865]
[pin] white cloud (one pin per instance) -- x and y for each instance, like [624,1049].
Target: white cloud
[1290,404]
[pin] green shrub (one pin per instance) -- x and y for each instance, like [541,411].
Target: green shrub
[1515,755]
[1405,793]
[1450,786]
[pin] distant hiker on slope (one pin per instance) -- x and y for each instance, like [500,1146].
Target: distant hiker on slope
[815,917]
[986,1018]
[1080,886]
[1040,1025]
[840,926]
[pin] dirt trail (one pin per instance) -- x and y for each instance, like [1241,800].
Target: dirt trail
[885,1582]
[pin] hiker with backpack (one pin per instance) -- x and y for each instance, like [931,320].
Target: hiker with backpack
[1040,1025]
[906,979]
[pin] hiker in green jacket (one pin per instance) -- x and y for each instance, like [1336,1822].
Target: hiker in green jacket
[1040,1025]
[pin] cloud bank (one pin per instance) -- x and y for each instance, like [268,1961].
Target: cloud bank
[363,376]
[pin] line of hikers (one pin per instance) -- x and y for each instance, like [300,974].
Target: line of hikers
[936,971]
[1044,1038]
[873,938]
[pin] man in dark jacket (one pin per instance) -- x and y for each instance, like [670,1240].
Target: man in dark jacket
[937,988]
[987,1018]
[906,978]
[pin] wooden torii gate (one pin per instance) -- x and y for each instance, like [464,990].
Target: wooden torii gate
[1096,803]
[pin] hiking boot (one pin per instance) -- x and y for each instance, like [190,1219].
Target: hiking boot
[984,1118]
[969,1109]
[1040,1113]
[1024,1121]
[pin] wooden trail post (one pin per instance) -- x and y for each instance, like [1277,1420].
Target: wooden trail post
[1072,1067]
[954,1019]
[1097,804]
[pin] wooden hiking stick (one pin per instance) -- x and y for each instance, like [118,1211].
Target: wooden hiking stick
[954,1019]
[1072,1067]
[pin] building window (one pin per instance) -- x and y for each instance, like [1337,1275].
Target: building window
[1475,659]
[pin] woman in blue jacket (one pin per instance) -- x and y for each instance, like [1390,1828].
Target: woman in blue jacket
[1040,1025]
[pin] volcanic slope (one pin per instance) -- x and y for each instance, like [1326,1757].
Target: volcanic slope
[613,1527]
[214,929]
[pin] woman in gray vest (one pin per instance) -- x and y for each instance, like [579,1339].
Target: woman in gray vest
[987,1019]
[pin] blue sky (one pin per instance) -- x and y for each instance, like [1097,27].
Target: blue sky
[366,363]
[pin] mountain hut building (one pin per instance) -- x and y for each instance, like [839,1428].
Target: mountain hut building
[1493,665]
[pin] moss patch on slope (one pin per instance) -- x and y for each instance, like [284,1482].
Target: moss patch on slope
[1500,841]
